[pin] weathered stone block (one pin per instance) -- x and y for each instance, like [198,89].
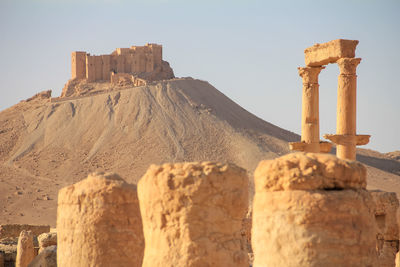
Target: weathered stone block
[192,214]
[46,240]
[47,258]
[330,52]
[25,249]
[99,224]
[310,171]
[386,205]
[298,223]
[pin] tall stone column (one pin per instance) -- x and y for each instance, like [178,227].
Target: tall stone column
[346,138]
[346,107]
[99,224]
[310,113]
[192,215]
[312,210]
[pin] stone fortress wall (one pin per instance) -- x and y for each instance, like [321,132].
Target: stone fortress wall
[136,59]
[134,66]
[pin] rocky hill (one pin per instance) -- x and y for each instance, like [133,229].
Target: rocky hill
[48,143]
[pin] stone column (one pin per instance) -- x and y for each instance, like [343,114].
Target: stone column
[99,224]
[25,249]
[345,137]
[192,215]
[312,210]
[310,108]
[310,113]
[346,107]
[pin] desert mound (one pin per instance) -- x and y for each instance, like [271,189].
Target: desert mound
[48,143]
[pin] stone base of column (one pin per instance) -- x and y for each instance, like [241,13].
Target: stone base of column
[345,139]
[346,144]
[324,147]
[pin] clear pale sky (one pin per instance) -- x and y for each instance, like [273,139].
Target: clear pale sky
[249,50]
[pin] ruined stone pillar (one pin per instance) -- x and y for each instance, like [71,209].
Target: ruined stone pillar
[99,224]
[387,236]
[25,249]
[310,113]
[346,138]
[312,210]
[192,215]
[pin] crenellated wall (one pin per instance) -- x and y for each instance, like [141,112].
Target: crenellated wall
[134,60]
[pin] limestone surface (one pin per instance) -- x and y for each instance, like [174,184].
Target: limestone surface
[46,240]
[46,258]
[99,224]
[385,210]
[25,249]
[309,171]
[312,210]
[192,214]
[330,52]
[313,228]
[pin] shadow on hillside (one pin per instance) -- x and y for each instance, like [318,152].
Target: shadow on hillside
[387,165]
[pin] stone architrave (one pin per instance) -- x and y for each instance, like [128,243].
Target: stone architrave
[330,52]
[99,224]
[310,113]
[192,215]
[25,249]
[346,138]
[312,210]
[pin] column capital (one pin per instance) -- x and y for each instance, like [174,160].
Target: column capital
[310,74]
[348,65]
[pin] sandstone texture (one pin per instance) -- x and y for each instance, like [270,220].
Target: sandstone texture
[25,249]
[330,52]
[192,214]
[386,208]
[312,210]
[46,258]
[1,259]
[310,171]
[99,224]
[46,240]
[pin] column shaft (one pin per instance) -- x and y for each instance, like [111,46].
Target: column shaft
[346,107]
[310,108]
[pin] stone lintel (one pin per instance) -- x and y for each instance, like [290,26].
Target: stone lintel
[330,52]
[345,139]
[325,147]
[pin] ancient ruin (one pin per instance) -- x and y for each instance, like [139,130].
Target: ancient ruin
[312,210]
[341,52]
[134,66]
[25,249]
[386,208]
[192,214]
[99,224]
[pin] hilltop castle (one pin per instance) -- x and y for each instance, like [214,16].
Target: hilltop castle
[136,65]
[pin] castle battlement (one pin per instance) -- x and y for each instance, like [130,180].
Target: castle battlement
[137,60]
[135,66]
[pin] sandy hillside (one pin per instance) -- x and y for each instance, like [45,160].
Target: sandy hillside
[48,144]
